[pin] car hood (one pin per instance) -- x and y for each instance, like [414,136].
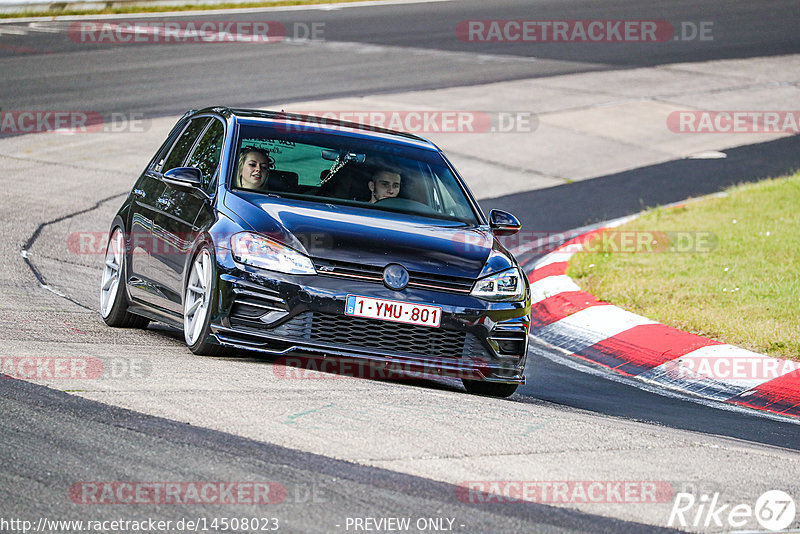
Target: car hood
[373,237]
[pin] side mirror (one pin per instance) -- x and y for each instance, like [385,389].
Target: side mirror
[184,177]
[503,223]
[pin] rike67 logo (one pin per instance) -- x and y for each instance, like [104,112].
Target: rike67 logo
[774,510]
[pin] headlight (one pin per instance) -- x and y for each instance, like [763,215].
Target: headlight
[262,252]
[505,285]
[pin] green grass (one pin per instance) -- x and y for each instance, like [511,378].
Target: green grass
[739,281]
[163,9]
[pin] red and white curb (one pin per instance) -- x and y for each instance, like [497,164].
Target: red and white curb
[584,327]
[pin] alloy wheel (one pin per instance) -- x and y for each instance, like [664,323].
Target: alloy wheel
[197,298]
[112,272]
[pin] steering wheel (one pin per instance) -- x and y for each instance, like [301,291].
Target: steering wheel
[397,202]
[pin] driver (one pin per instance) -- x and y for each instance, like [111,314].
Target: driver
[253,168]
[383,184]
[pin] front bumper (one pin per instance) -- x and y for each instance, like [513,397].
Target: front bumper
[282,314]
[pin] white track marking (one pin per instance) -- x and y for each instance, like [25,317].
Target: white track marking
[592,325]
[552,285]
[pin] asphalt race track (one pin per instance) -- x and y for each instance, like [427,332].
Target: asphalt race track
[366,51]
[346,448]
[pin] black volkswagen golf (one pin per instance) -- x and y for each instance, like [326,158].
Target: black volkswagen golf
[276,232]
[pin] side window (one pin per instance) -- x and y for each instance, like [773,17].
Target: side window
[184,144]
[206,155]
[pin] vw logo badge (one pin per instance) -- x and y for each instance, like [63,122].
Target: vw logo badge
[395,277]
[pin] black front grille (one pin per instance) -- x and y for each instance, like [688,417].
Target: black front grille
[395,337]
[437,282]
[354,332]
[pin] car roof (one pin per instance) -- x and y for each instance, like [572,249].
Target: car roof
[323,125]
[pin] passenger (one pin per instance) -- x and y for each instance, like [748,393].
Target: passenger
[253,169]
[384,184]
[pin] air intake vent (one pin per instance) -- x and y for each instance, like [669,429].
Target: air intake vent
[256,306]
[510,340]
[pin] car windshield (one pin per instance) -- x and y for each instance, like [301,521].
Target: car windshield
[343,169]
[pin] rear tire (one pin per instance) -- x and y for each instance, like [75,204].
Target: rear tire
[197,304]
[113,299]
[489,389]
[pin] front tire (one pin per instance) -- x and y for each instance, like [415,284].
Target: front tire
[197,304]
[489,389]
[113,300]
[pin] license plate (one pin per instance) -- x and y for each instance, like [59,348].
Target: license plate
[393,310]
